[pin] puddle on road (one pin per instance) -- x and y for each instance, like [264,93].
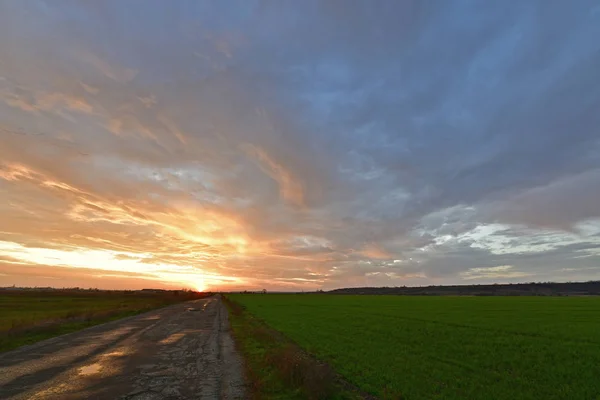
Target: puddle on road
[90,369]
[117,353]
[172,339]
[106,363]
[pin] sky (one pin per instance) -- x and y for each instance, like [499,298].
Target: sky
[294,145]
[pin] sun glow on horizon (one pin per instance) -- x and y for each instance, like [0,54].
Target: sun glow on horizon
[199,285]
[107,263]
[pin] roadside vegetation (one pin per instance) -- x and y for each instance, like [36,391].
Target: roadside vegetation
[277,368]
[419,347]
[27,316]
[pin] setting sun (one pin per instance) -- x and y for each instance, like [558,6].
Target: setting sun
[198,284]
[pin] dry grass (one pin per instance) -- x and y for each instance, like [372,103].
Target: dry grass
[297,369]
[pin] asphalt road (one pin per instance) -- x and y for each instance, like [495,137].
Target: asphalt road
[183,351]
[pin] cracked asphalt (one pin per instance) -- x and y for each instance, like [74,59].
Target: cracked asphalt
[184,351]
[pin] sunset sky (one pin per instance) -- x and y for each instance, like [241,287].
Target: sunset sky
[298,145]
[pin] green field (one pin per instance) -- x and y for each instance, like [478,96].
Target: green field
[30,316]
[447,347]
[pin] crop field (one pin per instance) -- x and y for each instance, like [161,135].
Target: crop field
[417,347]
[29,316]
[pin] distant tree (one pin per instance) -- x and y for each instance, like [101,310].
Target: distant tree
[264,291]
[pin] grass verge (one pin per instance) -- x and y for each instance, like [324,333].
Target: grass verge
[279,369]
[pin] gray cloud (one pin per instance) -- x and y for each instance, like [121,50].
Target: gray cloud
[305,144]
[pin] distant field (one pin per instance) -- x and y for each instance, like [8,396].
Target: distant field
[447,347]
[29,316]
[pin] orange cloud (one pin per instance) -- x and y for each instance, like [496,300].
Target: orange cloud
[157,235]
[48,101]
[89,88]
[290,188]
[172,127]
[374,251]
[19,102]
[15,172]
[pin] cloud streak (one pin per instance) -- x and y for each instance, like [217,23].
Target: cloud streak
[299,146]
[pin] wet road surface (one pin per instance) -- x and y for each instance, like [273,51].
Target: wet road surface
[183,351]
